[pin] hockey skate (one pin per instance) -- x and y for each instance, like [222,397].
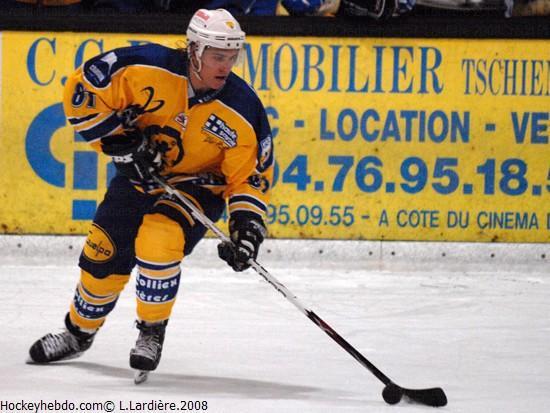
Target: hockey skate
[66,345]
[145,356]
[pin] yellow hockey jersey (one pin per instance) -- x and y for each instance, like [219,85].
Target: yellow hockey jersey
[220,140]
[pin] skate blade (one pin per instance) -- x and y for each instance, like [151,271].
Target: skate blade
[140,376]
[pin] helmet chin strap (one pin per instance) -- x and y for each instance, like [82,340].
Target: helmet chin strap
[196,68]
[196,72]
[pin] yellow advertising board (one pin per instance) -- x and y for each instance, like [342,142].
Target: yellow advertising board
[398,139]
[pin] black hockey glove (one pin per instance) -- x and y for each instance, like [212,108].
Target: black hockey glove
[247,231]
[133,155]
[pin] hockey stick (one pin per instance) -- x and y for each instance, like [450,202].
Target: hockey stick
[392,393]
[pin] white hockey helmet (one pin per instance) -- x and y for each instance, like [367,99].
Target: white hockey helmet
[214,28]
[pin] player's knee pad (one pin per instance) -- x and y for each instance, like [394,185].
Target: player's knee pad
[159,250]
[94,299]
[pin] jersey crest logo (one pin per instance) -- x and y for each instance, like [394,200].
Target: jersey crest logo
[217,127]
[99,247]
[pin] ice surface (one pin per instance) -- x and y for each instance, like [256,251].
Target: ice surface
[233,341]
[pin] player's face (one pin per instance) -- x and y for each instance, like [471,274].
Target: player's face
[216,66]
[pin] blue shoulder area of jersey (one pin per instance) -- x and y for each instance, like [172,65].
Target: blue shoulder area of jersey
[99,70]
[238,95]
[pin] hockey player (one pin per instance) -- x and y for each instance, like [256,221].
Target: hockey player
[184,115]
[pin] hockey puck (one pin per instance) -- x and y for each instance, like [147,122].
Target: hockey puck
[392,393]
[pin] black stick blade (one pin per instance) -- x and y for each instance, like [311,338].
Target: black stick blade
[434,397]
